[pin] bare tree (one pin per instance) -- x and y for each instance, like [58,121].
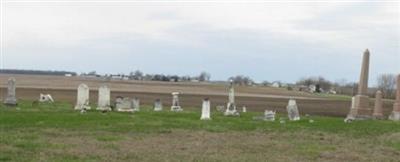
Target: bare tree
[387,83]
[204,76]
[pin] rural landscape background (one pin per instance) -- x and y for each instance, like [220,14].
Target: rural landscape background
[270,51]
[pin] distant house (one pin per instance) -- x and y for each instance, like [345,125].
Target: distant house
[276,84]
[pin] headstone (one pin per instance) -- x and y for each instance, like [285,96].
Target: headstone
[124,105]
[293,111]
[269,115]
[378,110]
[104,99]
[11,99]
[361,108]
[175,102]
[136,104]
[205,110]
[244,109]
[82,101]
[158,105]
[396,106]
[46,98]
[231,106]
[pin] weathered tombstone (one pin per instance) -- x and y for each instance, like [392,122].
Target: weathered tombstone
[269,115]
[378,110]
[244,109]
[46,98]
[205,110]
[103,103]
[158,105]
[175,102]
[231,106]
[136,104]
[11,99]
[125,105]
[293,111]
[361,109]
[82,98]
[396,106]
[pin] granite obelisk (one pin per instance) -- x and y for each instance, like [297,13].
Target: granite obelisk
[396,106]
[361,107]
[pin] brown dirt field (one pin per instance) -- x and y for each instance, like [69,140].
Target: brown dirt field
[254,98]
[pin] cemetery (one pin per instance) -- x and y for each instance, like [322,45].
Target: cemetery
[106,128]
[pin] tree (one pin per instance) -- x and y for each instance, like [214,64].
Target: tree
[241,80]
[204,77]
[387,83]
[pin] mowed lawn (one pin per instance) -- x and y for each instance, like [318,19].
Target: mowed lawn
[55,132]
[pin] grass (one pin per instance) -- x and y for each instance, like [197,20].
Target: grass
[55,132]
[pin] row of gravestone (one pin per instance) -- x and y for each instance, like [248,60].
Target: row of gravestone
[128,105]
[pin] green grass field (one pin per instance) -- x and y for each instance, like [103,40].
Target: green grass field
[54,132]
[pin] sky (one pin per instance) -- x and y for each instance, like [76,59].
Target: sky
[265,40]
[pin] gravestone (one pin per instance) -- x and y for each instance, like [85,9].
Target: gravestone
[175,102]
[124,105]
[158,105]
[136,104]
[82,101]
[269,115]
[11,99]
[103,103]
[244,109]
[231,106]
[293,111]
[361,109]
[45,98]
[378,110]
[205,110]
[396,106]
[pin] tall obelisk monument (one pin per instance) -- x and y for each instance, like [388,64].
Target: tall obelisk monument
[361,107]
[396,107]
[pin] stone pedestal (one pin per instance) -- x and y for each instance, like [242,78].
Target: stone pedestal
[361,107]
[396,106]
[175,102]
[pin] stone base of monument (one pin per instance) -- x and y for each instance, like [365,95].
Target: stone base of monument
[361,110]
[205,118]
[136,110]
[103,108]
[231,113]
[81,107]
[10,101]
[176,108]
[378,116]
[395,116]
[125,110]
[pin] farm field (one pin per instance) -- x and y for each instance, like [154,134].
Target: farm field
[256,99]
[54,132]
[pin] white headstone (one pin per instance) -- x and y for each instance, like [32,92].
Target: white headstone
[205,110]
[136,104]
[293,112]
[158,105]
[46,98]
[269,115]
[104,99]
[82,98]
[231,106]
[124,105]
[244,109]
[11,99]
[175,102]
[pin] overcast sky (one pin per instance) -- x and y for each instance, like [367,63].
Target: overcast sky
[264,40]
